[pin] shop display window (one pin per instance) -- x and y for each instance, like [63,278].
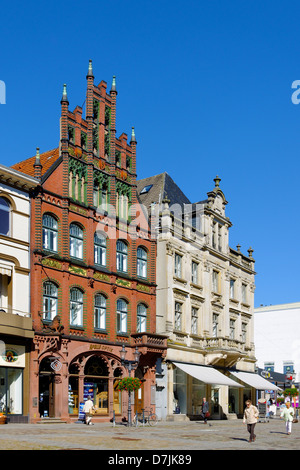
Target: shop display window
[11,390]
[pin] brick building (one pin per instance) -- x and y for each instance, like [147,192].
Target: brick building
[92,266]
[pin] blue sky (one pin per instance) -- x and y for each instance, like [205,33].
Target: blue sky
[207,85]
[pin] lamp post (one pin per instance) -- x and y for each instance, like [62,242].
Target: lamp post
[130,366]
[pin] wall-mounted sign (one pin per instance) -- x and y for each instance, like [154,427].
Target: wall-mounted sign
[12,355]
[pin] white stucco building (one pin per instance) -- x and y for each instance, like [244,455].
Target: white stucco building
[205,302]
[16,330]
[275,349]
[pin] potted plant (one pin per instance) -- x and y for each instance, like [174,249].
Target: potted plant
[130,384]
[3,418]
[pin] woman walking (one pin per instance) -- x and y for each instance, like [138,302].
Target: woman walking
[288,415]
[250,418]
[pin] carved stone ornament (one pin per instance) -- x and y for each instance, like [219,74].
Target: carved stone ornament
[54,327]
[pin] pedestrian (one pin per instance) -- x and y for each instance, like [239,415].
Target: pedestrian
[288,415]
[87,409]
[250,418]
[205,408]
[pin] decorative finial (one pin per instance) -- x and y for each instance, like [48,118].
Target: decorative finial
[250,251]
[217,181]
[64,95]
[90,71]
[132,135]
[37,156]
[113,85]
[238,247]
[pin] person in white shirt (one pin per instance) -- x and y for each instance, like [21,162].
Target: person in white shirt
[87,409]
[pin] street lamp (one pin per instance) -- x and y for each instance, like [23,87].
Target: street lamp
[130,366]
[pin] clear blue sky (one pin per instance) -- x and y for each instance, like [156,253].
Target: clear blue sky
[207,85]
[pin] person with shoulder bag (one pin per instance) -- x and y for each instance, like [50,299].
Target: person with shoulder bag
[250,418]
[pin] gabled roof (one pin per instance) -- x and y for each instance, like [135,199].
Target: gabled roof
[155,188]
[47,159]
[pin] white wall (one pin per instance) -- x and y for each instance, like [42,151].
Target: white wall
[277,336]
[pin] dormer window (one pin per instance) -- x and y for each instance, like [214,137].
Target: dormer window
[146,189]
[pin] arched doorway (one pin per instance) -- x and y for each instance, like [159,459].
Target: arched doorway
[47,380]
[96,383]
[95,375]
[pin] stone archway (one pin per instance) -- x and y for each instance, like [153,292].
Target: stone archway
[95,374]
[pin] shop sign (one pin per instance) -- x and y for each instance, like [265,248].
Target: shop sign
[12,355]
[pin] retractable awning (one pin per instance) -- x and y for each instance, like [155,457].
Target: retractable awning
[206,374]
[254,380]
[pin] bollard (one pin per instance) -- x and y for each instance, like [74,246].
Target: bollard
[143,411]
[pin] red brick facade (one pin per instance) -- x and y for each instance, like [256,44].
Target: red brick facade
[92,174]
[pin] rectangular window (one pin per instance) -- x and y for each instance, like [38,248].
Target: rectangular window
[178,316]
[232,329]
[11,390]
[215,281]
[194,272]
[244,332]
[232,282]
[244,293]
[194,323]
[215,325]
[178,265]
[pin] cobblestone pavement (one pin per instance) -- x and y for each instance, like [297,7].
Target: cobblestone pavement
[168,436]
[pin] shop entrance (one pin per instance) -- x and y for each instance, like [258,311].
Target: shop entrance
[46,389]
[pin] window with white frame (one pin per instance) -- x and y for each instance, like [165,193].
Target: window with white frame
[76,307]
[50,299]
[141,318]
[50,232]
[76,241]
[141,262]
[178,265]
[100,249]
[122,311]
[122,256]
[178,316]
[194,322]
[100,312]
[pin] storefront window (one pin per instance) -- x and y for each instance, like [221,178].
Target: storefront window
[11,390]
[96,384]
[198,392]
[180,392]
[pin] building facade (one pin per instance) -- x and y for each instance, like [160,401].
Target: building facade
[275,351]
[16,332]
[205,302]
[93,267]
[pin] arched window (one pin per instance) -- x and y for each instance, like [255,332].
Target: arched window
[100,249]
[100,312]
[4,216]
[141,318]
[76,307]
[122,308]
[49,232]
[50,295]
[122,256]
[141,267]
[76,241]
